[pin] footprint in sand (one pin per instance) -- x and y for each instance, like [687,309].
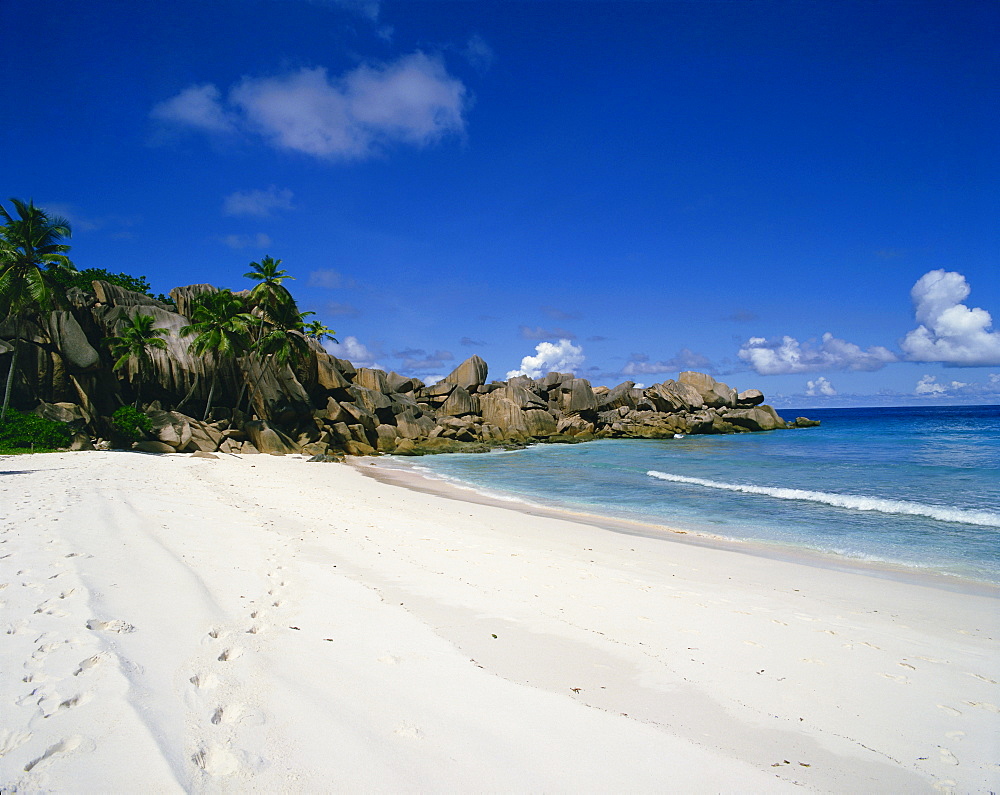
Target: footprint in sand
[754,643]
[984,705]
[947,757]
[46,648]
[114,625]
[72,744]
[227,714]
[983,678]
[903,680]
[950,710]
[216,761]
[65,704]
[90,662]
[10,739]
[32,699]
[55,612]
[206,681]
[230,654]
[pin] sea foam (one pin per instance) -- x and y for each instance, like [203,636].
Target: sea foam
[941,513]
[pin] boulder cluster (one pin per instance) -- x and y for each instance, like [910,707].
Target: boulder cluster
[324,406]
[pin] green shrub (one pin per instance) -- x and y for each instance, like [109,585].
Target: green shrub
[22,431]
[84,278]
[131,423]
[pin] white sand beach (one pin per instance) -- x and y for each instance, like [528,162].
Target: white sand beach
[261,623]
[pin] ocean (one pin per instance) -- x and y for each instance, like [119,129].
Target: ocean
[916,488]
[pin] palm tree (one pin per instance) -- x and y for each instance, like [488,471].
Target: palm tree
[273,304]
[283,343]
[316,330]
[30,249]
[269,297]
[221,326]
[136,339]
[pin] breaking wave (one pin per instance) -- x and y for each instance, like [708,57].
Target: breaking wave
[941,513]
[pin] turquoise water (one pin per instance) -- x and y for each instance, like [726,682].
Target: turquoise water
[917,487]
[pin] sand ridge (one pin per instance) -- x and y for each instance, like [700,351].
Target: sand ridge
[266,623]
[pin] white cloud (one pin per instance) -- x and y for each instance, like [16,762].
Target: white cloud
[412,100]
[928,386]
[949,331]
[350,348]
[238,242]
[788,355]
[259,203]
[562,357]
[199,107]
[820,387]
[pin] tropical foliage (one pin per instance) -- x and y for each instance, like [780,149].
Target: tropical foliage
[134,343]
[83,279]
[131,423]
[262,330]
[279,337]
[316,330]
[220,325]
[21,431]
[31,251]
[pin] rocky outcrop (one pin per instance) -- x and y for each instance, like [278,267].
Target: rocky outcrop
[325,406]
[470,374]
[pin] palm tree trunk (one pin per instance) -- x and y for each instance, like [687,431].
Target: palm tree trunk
[253,391]
[211,391]
[187,397]
[10,379]
[138,389]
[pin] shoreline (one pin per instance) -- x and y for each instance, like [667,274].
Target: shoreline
[265,623]
[404,473]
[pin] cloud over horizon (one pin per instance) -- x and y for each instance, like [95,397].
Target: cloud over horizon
[561,357]
[821,386]
[788,355]
[355,116]
[949,331]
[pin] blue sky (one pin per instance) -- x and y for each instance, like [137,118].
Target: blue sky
[796,196]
